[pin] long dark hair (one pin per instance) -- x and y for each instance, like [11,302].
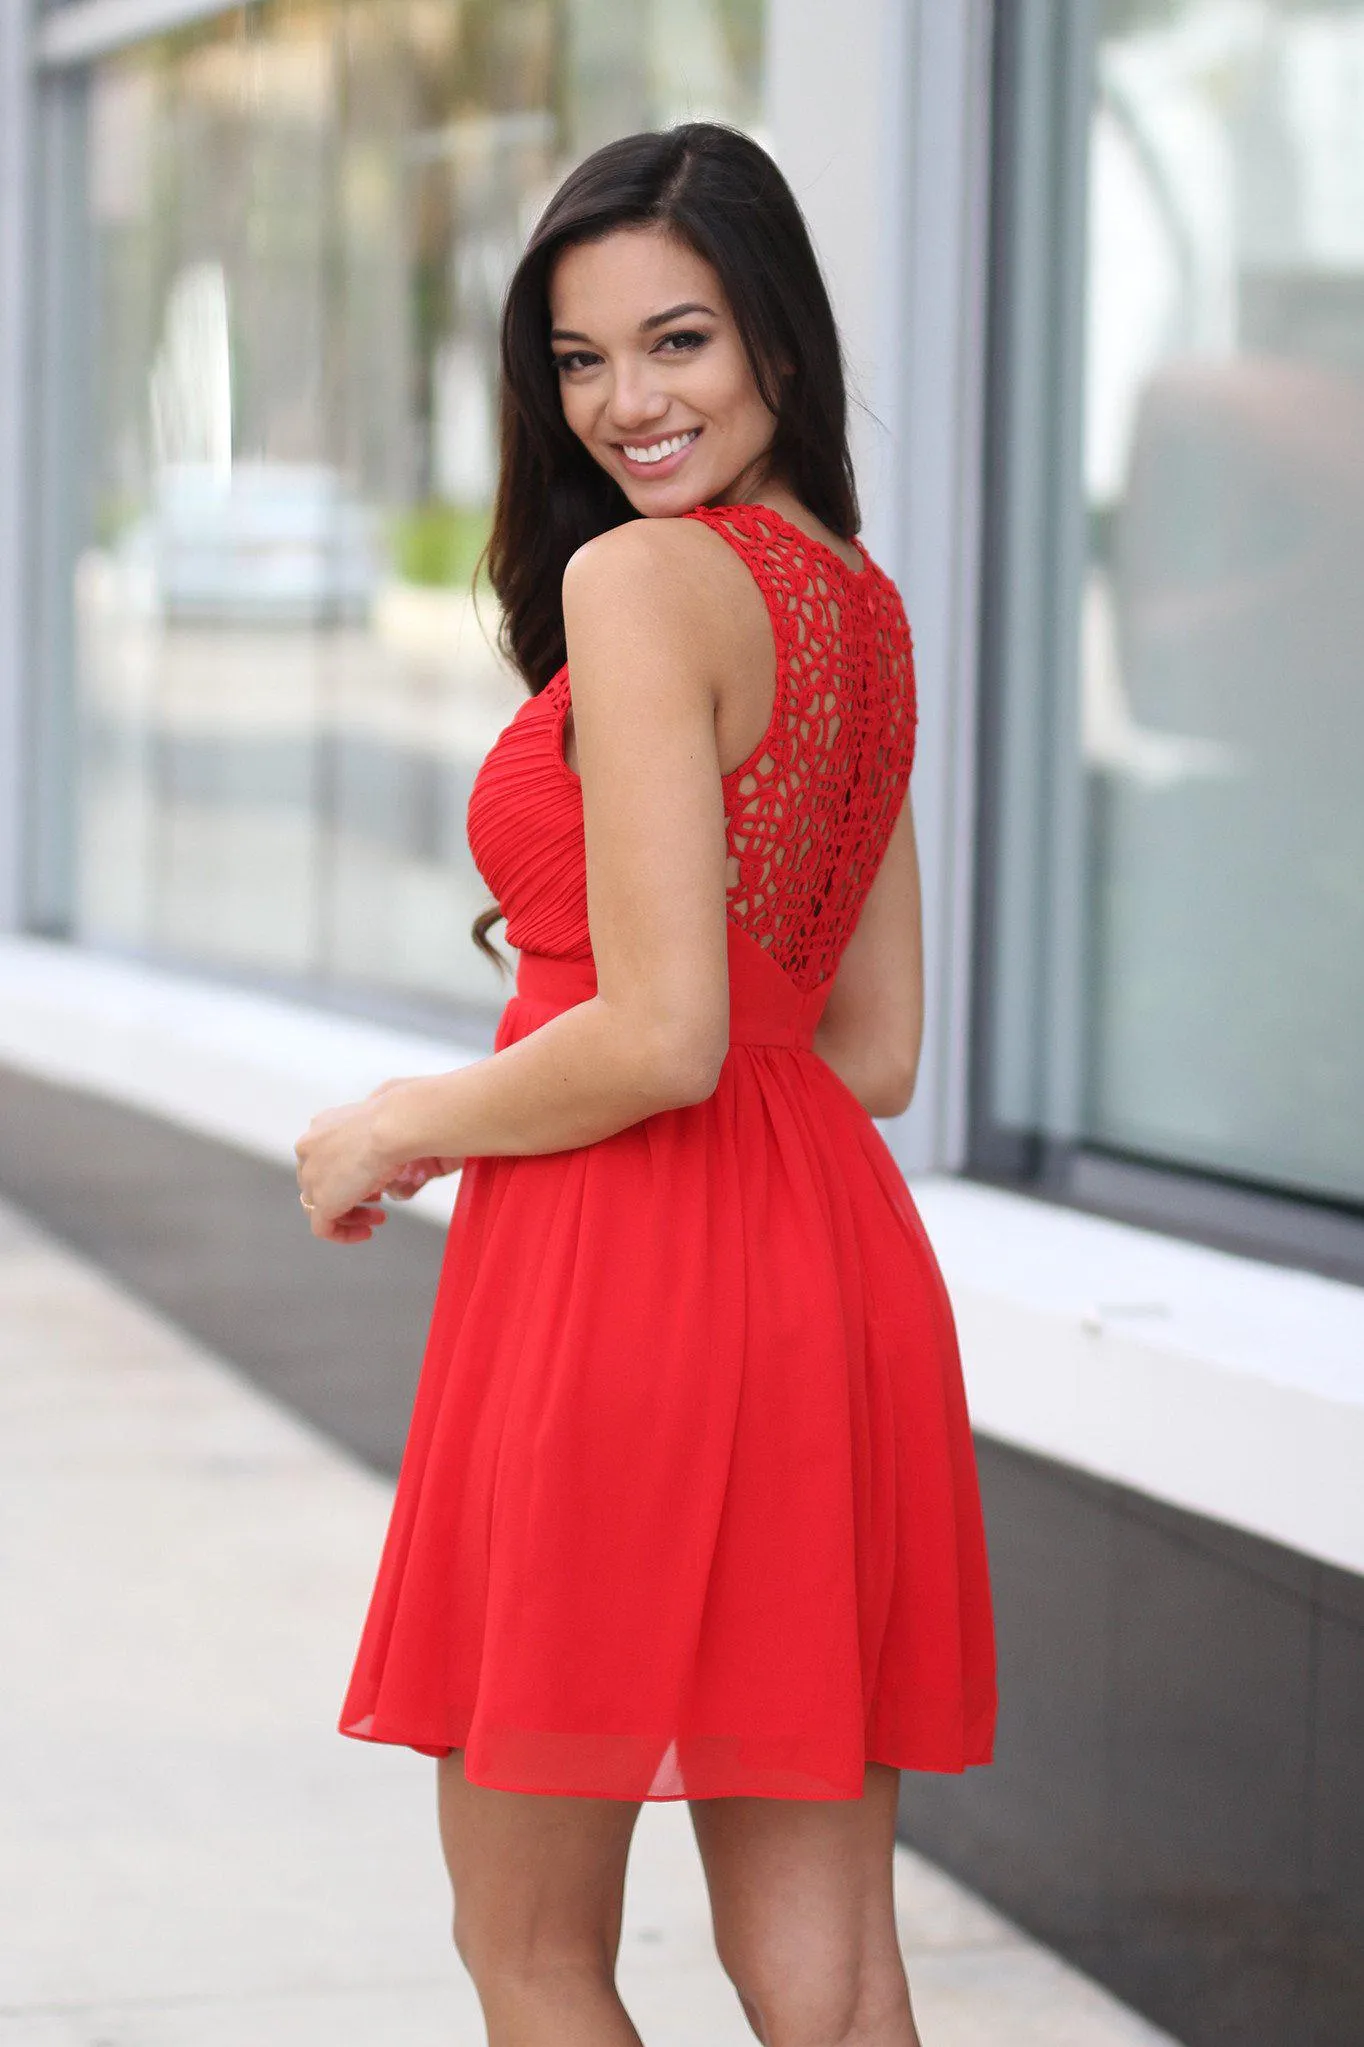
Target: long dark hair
[718,191]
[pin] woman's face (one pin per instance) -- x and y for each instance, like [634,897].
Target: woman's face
[652,372]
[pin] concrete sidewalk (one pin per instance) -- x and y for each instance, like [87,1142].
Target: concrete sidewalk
[190,1856]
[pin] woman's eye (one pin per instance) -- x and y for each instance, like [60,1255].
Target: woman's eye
[680,343]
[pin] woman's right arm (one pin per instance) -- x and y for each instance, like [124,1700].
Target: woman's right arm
[871,1030]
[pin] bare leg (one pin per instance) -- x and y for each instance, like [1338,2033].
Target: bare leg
[539,1892]
[802,1899]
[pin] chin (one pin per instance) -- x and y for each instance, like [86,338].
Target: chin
[686,496]
[665,505]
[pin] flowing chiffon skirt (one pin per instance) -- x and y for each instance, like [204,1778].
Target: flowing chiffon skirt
[689,1503]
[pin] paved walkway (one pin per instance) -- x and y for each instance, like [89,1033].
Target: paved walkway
[190,1856]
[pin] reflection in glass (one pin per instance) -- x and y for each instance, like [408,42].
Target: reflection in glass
[1223,616]
[300,218]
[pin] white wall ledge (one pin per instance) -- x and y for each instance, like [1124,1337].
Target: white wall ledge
[1213,1382]
[1216,1383]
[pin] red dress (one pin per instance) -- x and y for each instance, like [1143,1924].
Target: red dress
[688,1506]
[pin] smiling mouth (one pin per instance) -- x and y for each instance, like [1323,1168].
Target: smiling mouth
[658,451]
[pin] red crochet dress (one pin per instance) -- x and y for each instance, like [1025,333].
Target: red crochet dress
[688,1506]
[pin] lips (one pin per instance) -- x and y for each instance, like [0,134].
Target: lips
[658,457]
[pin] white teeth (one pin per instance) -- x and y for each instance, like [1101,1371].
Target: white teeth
[657,451]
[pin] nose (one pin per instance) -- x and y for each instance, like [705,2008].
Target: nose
[636,399]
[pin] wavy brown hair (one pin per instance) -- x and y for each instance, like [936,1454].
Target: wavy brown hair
[715,189]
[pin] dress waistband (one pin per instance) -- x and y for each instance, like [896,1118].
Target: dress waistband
[765,1006]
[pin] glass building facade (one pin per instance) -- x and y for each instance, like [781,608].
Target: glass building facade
[1172,932]
[1222,610]
[279,239]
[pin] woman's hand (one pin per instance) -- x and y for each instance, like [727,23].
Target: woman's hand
[343,1172]
[340,1174]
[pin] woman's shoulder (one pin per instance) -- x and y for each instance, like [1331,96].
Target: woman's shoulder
[671,569]
[648,547]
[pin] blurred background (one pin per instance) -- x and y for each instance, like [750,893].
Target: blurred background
[1099,266]
[280,238]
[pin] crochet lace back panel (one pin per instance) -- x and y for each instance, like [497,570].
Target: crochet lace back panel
[809,813]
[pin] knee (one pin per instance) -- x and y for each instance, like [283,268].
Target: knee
[485,1948]
[503,1961]
[821,2000]
[796,2006]
[468,1944]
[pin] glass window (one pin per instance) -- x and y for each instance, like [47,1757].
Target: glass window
[1176,886]
[284,236]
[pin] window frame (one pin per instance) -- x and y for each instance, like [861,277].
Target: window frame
[1032,556]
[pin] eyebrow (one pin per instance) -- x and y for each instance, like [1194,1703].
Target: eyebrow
[645,326]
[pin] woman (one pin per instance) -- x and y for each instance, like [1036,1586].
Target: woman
[688,1506]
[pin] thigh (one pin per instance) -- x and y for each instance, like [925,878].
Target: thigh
[534,1877]
[802,1896]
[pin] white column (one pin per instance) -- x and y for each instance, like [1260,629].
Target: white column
[879,113]
[837,118]
[15,196]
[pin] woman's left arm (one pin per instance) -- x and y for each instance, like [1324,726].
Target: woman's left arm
[643,652]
